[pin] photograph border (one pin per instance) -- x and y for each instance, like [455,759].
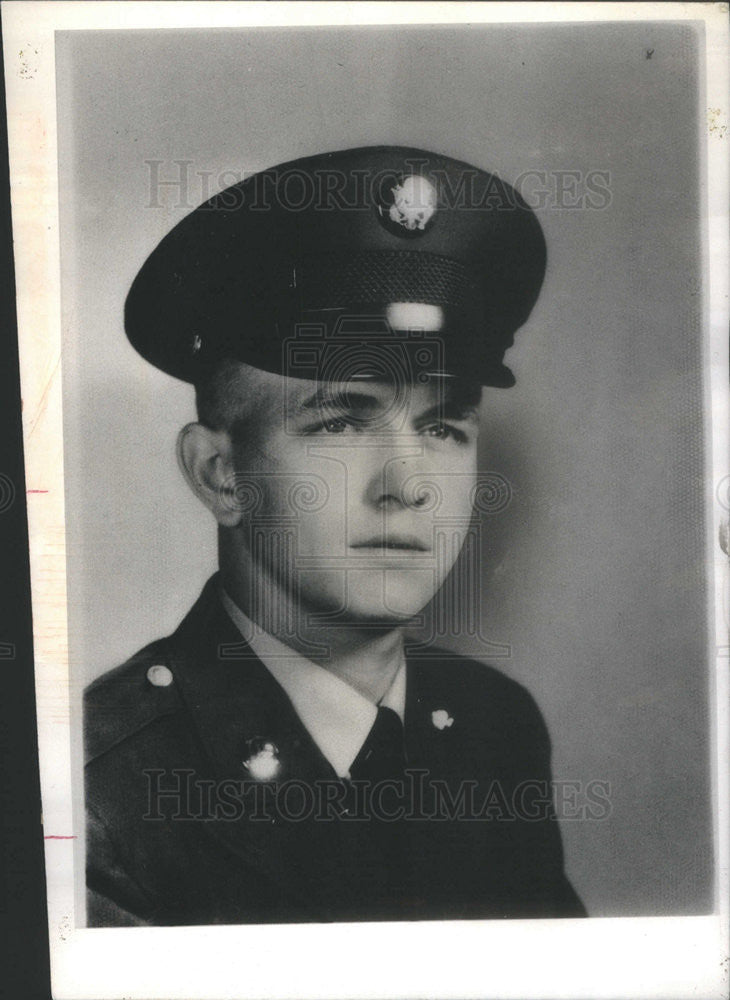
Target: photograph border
[660,957]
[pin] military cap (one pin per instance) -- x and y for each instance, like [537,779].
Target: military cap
[369,248]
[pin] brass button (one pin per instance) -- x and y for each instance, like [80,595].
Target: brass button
[160,676]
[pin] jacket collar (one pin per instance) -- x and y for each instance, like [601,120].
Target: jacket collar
[337,717]
[233,699]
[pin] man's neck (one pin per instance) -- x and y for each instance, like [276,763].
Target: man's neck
[366,657]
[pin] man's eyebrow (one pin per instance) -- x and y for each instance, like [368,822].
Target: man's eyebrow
[329,399]
[451,409]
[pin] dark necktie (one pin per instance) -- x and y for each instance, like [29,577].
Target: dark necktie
[382,844]
[382,755]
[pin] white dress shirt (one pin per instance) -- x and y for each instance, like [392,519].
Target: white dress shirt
[336,716]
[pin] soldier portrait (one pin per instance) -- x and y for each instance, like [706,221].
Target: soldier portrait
[379,494]
[338,349]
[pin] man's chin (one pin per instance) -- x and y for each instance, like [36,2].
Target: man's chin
[380,617]
[367,599]
[364,614]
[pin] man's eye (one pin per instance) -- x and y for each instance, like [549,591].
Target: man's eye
[442,432]
[335,426]
[332,425]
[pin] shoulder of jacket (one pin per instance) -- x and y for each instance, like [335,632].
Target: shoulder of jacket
[129,698]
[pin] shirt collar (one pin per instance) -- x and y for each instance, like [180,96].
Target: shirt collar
[337,717]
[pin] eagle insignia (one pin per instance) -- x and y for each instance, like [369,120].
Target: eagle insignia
[408,207]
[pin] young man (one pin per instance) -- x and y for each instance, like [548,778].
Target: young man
[284,756]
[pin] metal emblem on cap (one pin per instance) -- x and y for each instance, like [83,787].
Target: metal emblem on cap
[408,207]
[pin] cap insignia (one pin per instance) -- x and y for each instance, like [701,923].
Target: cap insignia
[408,208]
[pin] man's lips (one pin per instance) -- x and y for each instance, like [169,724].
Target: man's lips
[392,543]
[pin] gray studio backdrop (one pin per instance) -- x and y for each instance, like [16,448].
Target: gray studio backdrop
[593,574]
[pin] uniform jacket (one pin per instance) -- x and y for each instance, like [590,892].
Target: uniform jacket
[180,831]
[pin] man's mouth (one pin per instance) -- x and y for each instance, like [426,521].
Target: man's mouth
[392,543]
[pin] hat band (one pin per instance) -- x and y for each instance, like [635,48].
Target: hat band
[329,282]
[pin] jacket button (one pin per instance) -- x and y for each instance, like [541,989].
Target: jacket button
[160,676]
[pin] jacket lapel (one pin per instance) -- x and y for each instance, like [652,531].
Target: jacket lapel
[235,706]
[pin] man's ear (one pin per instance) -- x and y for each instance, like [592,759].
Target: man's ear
[206,459]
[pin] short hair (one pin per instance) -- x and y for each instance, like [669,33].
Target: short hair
[218,398]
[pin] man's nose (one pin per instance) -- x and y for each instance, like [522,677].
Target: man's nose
[397,479]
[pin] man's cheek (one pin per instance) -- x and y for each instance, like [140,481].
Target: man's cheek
[456,497]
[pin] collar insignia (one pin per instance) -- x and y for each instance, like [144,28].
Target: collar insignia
[441,719]
[263,762]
